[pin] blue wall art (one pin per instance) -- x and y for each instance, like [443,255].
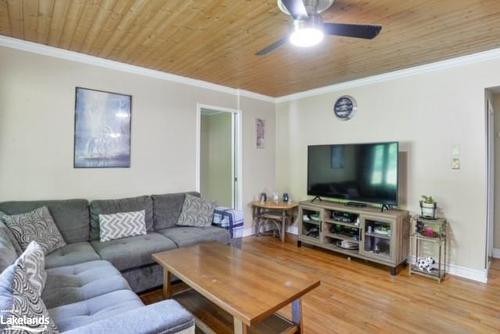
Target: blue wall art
[102,129]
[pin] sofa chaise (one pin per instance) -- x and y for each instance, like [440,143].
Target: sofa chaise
[92,285]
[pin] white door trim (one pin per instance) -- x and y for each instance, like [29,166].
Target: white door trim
[490,178]
[236,143]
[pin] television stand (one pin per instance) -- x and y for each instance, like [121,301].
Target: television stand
[356,232]
[357,204]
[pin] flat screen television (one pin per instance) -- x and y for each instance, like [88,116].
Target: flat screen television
[366,173]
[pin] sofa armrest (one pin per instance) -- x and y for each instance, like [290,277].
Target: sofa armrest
[165,317]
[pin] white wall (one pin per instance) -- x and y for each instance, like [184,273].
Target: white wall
[428,113]
[37,96]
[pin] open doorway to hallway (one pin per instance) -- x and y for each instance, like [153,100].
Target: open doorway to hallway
[492,103]
[218,157]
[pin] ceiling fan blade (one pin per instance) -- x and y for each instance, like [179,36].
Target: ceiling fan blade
[295,7]
[270,48]
[352,30]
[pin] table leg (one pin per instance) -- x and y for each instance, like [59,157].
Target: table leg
[297,315]
[167,284]
[240,327]
[283,225]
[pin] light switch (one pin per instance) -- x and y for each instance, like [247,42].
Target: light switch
[456,150]
[455,163]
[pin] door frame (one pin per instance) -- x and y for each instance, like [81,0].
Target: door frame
[490,176]
[236,144]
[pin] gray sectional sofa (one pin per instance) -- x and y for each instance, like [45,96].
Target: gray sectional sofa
[92,285]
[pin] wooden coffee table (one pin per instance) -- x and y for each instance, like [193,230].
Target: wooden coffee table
[234,289]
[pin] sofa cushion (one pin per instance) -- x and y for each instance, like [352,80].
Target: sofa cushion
[71,216]
[20,299]
[119,205]
[72,284]
[122,225]
[196,212]
[187,236]
[165,317]
[167,209]
[37,225]
[8,253]
[71,254]
[144,278]
[87,311]
[133,252]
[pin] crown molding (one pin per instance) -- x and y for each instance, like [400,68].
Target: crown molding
[51,51]
[492,54]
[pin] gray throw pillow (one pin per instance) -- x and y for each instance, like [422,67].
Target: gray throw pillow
[122,225]
[37,225]
[196,212]
[8,253]
[6,231]
[21,308]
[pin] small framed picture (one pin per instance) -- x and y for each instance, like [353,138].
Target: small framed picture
[260,129]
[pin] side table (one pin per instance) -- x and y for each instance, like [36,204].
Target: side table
[429,233]
[278,212]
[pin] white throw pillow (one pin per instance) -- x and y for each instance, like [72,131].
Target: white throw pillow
[21,307]
[32,261]
[122,225]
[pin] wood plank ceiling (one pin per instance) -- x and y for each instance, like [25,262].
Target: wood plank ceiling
[215,40]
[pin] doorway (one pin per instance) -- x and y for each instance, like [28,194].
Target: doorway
[492,104]
[219,155]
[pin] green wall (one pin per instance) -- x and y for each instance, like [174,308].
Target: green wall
[216,157]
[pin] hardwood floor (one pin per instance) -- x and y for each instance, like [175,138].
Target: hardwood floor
[359,297]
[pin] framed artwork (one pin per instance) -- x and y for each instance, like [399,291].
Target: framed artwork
[102,129]
[260,129]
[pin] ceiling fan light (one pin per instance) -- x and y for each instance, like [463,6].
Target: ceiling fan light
[306,37]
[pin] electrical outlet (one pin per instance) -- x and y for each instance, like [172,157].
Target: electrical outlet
[455,163]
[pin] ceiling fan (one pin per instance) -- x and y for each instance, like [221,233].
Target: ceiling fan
[309,29]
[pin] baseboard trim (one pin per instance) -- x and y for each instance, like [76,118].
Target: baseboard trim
[496,253]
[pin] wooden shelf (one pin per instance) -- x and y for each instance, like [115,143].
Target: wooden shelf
[312,222]
[211,319]
[350,252]
[340,236]
[308,239]
[380,236]
[334,222]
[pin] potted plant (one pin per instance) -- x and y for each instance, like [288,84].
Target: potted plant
[428,207]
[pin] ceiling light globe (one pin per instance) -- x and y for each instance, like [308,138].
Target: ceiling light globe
[306,37]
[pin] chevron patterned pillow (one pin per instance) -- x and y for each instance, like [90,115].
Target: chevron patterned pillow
[122,225]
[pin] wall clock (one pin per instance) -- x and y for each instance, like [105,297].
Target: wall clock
[345,107]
